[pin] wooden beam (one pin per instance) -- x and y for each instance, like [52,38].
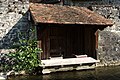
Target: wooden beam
[96,35]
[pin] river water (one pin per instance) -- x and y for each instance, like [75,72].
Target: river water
[101,73]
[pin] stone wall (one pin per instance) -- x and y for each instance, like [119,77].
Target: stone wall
[13,20]
[109,38]
[87,3]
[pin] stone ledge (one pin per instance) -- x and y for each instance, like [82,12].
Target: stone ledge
[6,50]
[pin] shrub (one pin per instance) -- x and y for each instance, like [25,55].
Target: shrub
[25,58]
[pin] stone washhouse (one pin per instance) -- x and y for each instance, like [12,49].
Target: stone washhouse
[98,29]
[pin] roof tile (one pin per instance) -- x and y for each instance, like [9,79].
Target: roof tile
[48,13]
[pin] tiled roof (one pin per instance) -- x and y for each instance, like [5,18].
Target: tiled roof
[48,13]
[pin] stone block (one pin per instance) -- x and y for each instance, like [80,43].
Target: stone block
[6,50]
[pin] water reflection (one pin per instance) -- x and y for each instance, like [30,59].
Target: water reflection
[103,73]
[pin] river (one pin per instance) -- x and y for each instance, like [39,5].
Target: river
[101,73]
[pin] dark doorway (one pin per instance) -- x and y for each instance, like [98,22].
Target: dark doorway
[67,40]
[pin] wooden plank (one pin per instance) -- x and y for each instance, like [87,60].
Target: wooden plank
[68,68]
[67,61]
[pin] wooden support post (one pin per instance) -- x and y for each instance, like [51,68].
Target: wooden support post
[96,35]
[39,46]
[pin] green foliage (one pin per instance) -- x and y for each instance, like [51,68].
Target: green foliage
[25,57]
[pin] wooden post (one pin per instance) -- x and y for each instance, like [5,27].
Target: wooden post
[96,36]
[39,46]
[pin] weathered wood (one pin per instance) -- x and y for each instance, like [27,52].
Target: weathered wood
[67,61]
[67,40]
[68,68]
[54,65]
[96,35]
